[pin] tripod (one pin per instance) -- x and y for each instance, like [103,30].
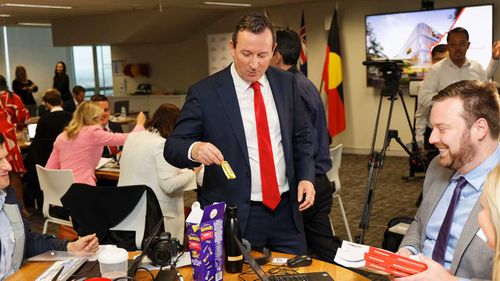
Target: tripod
[376,158]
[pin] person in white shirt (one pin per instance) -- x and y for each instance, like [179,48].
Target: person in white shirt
[456,67]
[142,162]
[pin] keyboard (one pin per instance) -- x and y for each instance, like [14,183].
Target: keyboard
[316,276]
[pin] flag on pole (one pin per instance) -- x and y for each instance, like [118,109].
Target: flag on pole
[332,77]
[303,41]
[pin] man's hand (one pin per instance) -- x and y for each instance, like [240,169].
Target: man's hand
[434,271]
[140,119]
[404,252]
[206,154]
[495,51]
[305,188]
[89,244]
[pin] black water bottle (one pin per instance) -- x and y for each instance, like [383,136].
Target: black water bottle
[234,256]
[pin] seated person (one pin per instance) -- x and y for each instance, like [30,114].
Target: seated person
[80,146]
[142,162]
[466,125]
[78,97]
[103,102]
[489,217]
[48,128]
[18,242]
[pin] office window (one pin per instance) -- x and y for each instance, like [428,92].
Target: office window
[99,80]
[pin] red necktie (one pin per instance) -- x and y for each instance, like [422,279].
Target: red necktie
[113,150]
[270,191]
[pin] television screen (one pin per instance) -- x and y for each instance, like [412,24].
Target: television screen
[410,36]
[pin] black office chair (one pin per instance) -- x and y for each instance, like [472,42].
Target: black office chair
[118,215]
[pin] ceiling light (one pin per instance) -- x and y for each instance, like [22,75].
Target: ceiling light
[4,15]
[228,4]
[36,6]
[34,24]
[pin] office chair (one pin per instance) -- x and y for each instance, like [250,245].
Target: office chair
[118,215]
[333,176]
[53,183]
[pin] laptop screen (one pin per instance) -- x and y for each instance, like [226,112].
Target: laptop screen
[32,130]
[251,261]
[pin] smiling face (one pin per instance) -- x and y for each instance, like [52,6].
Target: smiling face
[5,167]
[59,68]
[105,115]
[252,54]
[451,136]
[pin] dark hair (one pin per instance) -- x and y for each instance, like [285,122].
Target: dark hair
[288,45]
[458,30]
[440,48]
[21,73]
[64,68]
[3,84]
[255,23]
[2,139]
[480,100]
[77,89]
[99,97]
[164,119]
[52,97]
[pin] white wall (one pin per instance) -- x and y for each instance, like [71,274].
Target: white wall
[179,65]
[32,47]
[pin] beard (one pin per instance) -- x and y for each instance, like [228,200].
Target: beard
[466,152]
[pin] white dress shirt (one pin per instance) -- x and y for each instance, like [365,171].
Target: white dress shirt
[441,75]
[245,95]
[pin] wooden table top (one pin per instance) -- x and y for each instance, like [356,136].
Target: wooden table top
[31,270]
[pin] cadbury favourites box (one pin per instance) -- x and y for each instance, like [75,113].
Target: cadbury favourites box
[205,235]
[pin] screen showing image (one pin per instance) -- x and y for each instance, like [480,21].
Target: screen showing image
[410,36]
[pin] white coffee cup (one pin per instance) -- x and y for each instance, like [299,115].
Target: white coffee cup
[113,262]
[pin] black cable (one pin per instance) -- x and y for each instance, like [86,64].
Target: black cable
[150,273]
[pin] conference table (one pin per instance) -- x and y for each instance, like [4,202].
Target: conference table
[31,270]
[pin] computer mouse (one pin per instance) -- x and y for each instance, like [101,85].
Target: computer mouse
[299,261]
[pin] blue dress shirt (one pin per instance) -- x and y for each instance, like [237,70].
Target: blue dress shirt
[468,198]
[6,241]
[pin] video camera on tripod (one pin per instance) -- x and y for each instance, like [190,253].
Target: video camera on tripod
[391,71]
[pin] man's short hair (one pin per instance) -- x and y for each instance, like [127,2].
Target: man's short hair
[255,23]
[440,48]
[52,97]
[480,100]
[288,45]
[458,30]
[77,89]
[99,97]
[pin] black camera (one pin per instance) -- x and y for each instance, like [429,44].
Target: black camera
[163,249]
[391,71]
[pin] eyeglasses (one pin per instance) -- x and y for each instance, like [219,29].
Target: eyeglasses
[462,44]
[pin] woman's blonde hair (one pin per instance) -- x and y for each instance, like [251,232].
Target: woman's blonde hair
[491,200]
[86,114]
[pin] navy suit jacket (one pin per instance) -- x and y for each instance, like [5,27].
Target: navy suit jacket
[211,114]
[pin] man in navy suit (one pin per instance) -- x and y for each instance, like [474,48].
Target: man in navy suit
[251,116]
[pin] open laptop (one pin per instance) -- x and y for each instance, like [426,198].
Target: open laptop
[313,276]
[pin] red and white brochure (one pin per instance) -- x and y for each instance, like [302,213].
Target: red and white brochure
[377,260]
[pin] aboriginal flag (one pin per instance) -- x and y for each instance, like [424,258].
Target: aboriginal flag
[332,77]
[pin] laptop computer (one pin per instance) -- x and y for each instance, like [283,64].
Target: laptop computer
[31,131]
[312,276]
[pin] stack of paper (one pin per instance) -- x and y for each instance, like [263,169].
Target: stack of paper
[377,260]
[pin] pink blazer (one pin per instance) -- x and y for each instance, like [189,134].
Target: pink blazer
[82,153]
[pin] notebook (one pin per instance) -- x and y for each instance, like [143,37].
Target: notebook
[312,276]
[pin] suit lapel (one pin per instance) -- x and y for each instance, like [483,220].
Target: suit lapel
[469,231]
[436,191]
[279,100]
[227,94]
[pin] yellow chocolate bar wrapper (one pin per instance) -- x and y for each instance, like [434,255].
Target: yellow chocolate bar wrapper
[227,170]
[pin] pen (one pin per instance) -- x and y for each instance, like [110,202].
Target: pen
[58,273]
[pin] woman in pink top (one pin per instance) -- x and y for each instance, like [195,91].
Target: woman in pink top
[80,146]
